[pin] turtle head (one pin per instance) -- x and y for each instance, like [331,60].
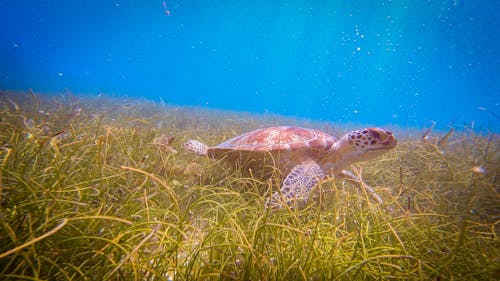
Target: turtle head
[365,144]
[360,145]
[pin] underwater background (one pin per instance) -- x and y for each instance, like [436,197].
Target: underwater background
[97,100]
[374,62]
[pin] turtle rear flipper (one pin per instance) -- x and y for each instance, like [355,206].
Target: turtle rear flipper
[297,186]
[196,147]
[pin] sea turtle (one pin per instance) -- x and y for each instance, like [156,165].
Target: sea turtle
[304,155]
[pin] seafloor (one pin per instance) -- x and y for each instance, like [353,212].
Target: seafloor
[100,188]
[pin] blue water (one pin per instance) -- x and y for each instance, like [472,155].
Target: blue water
[377,62]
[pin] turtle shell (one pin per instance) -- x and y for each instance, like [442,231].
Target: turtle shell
[281,147]
[279,138]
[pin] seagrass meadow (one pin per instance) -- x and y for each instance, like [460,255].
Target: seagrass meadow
[100,188]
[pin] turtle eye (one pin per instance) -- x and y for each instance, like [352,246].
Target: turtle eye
[375,134]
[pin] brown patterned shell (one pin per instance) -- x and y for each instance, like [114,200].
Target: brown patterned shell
[262,151]
[282,138]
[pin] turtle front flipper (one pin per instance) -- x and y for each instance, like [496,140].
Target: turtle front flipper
[349,175]
[196,147]
[297,186]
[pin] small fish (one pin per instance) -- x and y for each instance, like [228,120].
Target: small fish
[164,143]
[478,169]
[489,111]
